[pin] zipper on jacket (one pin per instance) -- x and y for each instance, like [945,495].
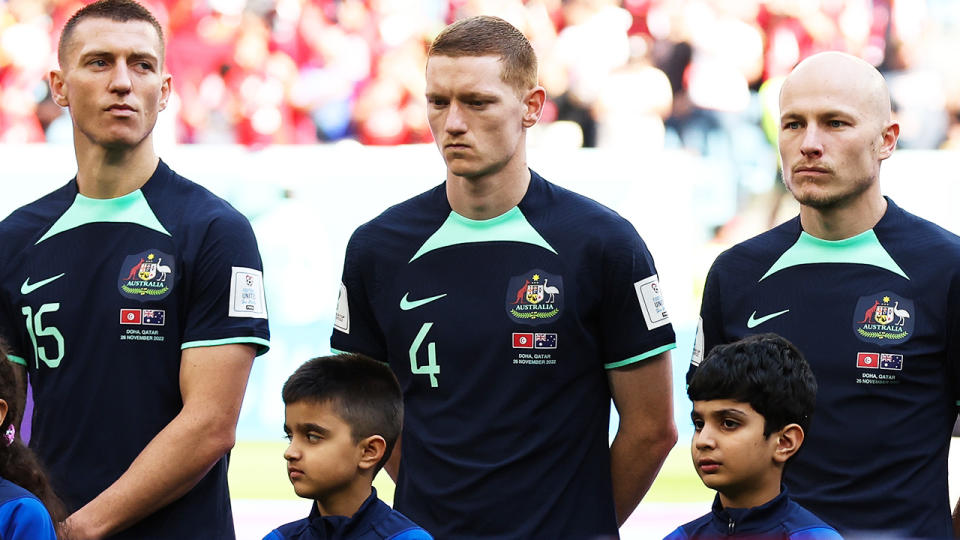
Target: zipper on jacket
[731,527]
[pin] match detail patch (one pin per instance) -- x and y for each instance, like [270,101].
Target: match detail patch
[651,302]
[246,293]
[697,357]
[342,321]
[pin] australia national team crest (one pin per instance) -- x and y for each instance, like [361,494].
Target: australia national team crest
[884,318]
[535,297]
[146,276]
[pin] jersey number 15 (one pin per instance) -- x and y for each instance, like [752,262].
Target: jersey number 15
[36,330]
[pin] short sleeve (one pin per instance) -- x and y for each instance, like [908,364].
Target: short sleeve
[355,328]
[26,519]
[953,337]
[709,326]
[9,337]
[635,323]
[226,302]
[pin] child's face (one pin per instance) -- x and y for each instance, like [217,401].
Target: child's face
[322,459]
[730,453]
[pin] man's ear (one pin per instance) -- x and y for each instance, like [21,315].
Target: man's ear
[371,449]
[165,89]
[888,141]
[789,439]
[533,100]
[58,88]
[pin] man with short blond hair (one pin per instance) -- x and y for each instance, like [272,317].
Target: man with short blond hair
[511,311]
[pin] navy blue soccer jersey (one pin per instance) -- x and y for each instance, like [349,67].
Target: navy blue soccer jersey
[874,315]
[501,333]
[97,300]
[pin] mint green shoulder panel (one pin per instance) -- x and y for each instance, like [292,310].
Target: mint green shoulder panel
[864,248]
[511,226]
[130,208]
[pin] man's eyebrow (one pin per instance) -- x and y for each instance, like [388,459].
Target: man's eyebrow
[136,55]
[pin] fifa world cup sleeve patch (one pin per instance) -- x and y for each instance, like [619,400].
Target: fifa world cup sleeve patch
[651,302]
[342,321]
[246,293]
[697,357]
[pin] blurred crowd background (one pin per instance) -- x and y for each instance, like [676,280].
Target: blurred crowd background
[696,75]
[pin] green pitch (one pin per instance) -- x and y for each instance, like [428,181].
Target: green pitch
[258,471]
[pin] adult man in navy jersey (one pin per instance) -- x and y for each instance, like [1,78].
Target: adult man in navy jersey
[511,311]
[133,298]
[866,291]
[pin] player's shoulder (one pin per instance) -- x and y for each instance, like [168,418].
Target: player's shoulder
[548,197]
[413,218]
[27,223]
[430,203]
[177,198]
[902,231]
[562,215]
[759,250]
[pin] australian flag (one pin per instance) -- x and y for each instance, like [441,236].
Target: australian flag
[891,361]
[545,341]
[154,317]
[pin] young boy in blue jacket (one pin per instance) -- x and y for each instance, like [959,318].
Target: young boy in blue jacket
[343,416]
[752,401]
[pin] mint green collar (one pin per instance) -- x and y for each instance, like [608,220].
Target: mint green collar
[863,248]
[130,208]
[511,226]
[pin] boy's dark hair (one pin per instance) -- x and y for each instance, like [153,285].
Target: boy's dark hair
[18,464]
[363,392]
[764,370]
[115,10]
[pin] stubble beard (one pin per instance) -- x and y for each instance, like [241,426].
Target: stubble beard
[831,201]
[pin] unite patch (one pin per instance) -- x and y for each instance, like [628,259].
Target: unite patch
[146,276]
[535,297]
[884,318]
[246,293]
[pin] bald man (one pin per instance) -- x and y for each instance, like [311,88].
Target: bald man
[868,292]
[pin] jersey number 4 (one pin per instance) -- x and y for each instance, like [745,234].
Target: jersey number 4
[36,330]
[431,368]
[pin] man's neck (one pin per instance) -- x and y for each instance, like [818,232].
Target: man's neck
[489,196]
[843,222]
[109,173]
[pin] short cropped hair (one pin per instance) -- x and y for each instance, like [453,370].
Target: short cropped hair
[115,10]
[362,391]
[491,36]
[766,371]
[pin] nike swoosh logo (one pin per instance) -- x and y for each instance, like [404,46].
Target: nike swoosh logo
[407,305]
[751,322]
[28,287]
